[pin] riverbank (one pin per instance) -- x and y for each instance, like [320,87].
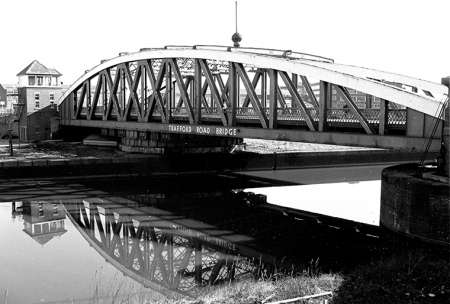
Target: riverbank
[66,150]
[411,276]
[73,159]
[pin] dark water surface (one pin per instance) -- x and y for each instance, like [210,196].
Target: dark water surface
[96,241]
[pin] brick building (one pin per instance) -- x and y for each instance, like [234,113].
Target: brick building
[39,88]
[43,221]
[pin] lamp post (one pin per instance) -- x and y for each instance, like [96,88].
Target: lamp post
[11,153]
[18,108]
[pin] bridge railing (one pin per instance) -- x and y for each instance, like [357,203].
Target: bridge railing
[341,117]
[336,117]
[396,118]
[346,115]
[262,51]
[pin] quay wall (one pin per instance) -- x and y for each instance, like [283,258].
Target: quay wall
[141,164]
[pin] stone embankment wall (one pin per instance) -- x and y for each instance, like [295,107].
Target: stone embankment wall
[415,206]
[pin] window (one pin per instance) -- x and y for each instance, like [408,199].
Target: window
[36,100]
[41,209]
[49,80]
[40,80]
[37,228]
[52,98]
[31,80]
[53,227]
[45,228]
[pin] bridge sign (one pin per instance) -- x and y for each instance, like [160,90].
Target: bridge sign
[203,130]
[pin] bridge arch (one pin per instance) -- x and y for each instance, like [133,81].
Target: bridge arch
[195,67]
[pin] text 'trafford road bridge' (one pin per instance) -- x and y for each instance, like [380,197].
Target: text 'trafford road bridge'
[253,93]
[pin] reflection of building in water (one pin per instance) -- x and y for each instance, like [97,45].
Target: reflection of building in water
[16,209]
[43,221]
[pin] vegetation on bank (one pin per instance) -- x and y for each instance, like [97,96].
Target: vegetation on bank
[411,277]
[406,278]
[269,290]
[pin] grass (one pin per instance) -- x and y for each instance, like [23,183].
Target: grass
[412,277]
[409,276]
[415,276]
[246,291]
[268,290]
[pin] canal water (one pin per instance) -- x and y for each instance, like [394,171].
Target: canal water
[166,238]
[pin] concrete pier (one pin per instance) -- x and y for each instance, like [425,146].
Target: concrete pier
[165,143]
[415,206]
[416,201]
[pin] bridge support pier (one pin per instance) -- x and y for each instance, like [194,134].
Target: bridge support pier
[418,205]
[164,143]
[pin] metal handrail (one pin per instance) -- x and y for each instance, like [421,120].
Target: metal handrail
[268,51]
[289,54]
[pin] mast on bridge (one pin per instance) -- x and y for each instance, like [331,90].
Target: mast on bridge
[236,36]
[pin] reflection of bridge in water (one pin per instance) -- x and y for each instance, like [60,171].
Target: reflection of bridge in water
[158,249]
[176,241]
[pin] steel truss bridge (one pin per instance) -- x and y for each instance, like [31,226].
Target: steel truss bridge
[253,93]
[168,253]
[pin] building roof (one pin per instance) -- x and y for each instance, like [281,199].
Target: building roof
[47,237]
[37,68]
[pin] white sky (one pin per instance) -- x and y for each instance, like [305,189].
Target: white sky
[407,37]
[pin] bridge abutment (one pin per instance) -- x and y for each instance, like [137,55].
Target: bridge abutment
[415,206]
[164,143]
[416,201]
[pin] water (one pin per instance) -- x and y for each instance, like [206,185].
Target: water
[167,238]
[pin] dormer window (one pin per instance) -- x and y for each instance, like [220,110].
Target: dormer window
[31,80]
[40,80]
